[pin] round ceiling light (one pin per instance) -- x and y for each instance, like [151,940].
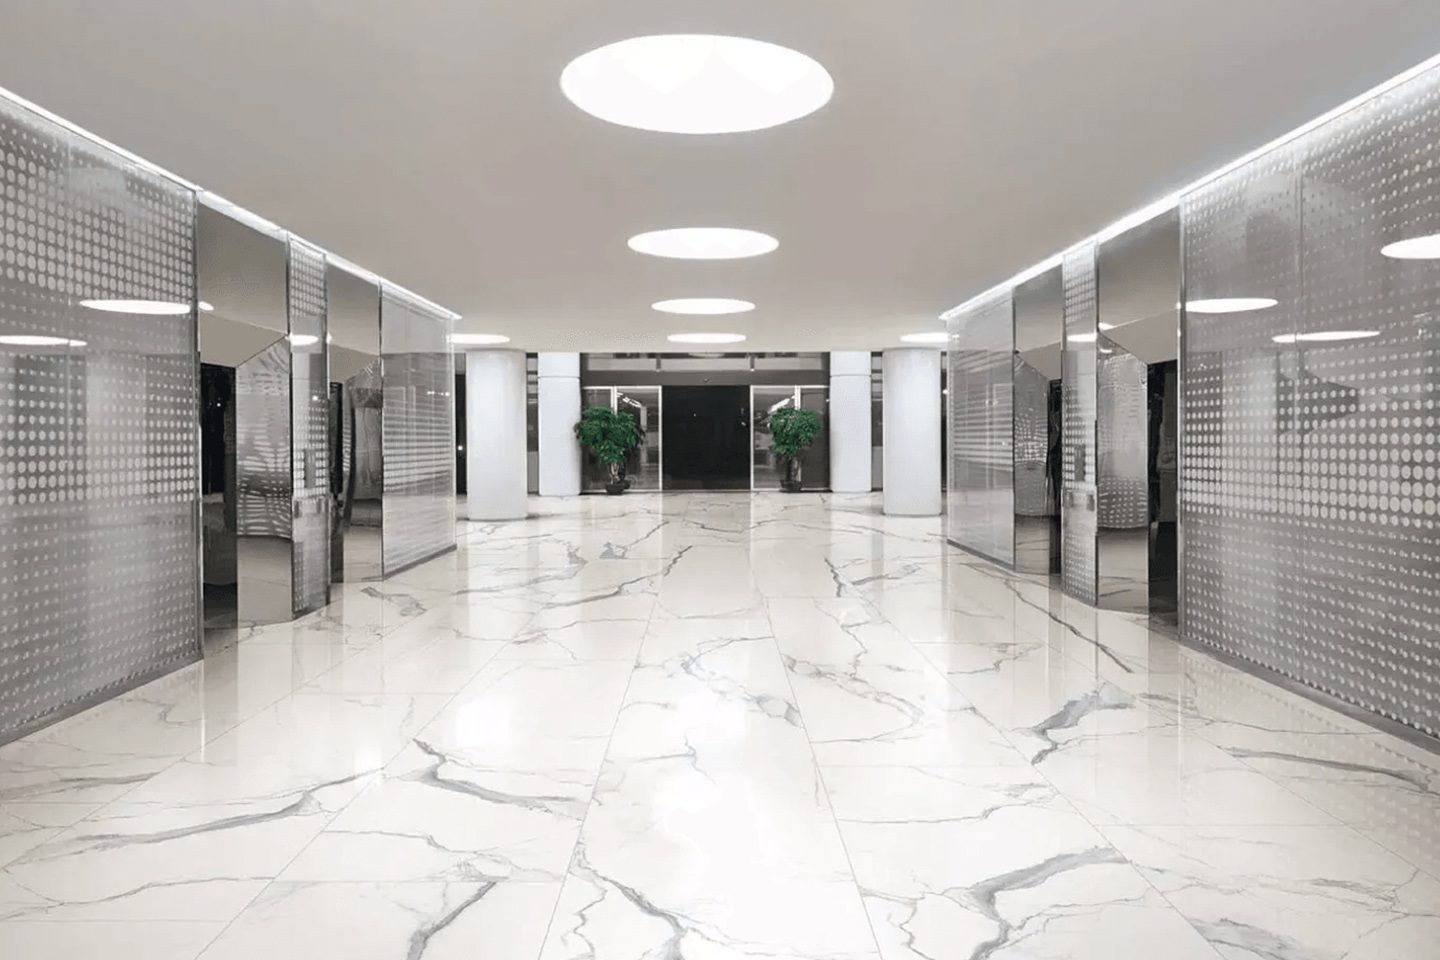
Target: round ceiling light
[1416,248]
[303,339]
[704,306]
[1325,336]
[149,308]
[38,340]
[704,243]
[478,339]
[696,84]
[706,337]
[1230,304]
[931,336]
[206,307]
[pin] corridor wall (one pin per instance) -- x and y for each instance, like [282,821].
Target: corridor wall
[1308,496]
[99,509]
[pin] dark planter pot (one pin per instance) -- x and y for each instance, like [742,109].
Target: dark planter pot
[615,489]
[790,486]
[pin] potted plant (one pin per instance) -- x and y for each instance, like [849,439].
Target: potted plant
[791,431]
[610,436]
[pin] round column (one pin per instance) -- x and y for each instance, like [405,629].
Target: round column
[559,386]
[495,435]
[912,432]
[851,433]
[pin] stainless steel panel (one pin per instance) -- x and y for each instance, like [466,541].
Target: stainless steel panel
[263,490]
[1079,505]
[1039,329]
[310,427]
[362,514]
[417,431]
[1308,496]
[99,490]
[1122,465]
[980,476]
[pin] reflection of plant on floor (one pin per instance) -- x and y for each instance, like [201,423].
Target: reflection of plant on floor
[610,436]
[791,431]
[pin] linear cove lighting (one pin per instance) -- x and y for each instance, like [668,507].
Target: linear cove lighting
[1416,248]
[704,243]
[932,336]
[148,308]
[704,306]
[1230,304]
[38,340]
[696,84]
[1325,336]
[478,339]
[706,337]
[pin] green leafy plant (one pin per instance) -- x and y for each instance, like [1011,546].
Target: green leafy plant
[791,431]
[610,436]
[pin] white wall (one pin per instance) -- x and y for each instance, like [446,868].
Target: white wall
[495,434]
[851,433]
[912,432]
[559,400]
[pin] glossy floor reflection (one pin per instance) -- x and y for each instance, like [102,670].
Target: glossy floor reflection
[715,726]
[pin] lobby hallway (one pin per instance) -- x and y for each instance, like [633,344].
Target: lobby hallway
[715,726]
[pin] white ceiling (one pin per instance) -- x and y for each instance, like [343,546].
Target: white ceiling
[430,141]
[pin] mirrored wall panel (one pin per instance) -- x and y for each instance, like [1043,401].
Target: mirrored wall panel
[417,431]
[99,391]
[310,428]
[357,483]
[1079,498]
[980,475]
[1039,329]
[1311,533]
[1138,283]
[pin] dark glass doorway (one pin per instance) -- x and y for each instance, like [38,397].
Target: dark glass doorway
[707,437]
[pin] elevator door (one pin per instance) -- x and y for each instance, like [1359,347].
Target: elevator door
[707,438]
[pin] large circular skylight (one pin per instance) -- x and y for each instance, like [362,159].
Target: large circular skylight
[706,337]
[704,243]
[1416,248]
[704,306]
[696,83]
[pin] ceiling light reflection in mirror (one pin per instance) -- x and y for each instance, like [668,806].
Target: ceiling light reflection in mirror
[478,339]
[704,243]
[696,84]
[1230,304]
[1415,248]
[148,308]
[704,306]
[706,337]
[931,336]
[1325,336]
[37,340]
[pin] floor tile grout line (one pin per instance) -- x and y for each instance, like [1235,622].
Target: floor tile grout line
[824,783]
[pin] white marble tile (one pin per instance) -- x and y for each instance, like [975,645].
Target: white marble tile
[440,664]
[554,635]
[1289,891]
[382,921]
[24,826]
[113,940]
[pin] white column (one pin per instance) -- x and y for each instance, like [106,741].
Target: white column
[912,432]
[495,434]
[851,437]
[559,384]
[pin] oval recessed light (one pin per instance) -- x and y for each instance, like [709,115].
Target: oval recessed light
[478,339]
[1081,337]
[38,340]
[1325,336]
[704,243]
[704,306]
[932,336]
[1230,304]
[303,339]
[149,308]
[205,307]
[1416,248]
[706,337]
[696,84]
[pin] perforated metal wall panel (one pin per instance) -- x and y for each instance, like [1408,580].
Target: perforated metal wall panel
[1032,441]
[310,428]
[1079,498]
[99,494]
[1308,477]
[417,431]
[1122,427]
[980,481]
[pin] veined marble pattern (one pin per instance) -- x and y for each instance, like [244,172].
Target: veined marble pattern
[715,727]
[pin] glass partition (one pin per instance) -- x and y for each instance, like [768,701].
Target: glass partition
[645,466]
[766,472]
[355,371]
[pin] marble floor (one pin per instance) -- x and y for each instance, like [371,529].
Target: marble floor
[715,727]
